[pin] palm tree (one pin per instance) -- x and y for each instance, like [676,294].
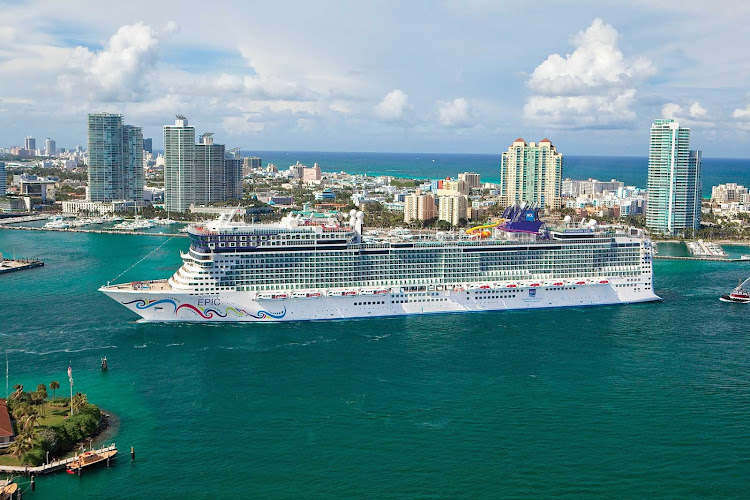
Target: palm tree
[18,388]
[23,443]
[79,401]
[41,388]
[54,385]
[29,422]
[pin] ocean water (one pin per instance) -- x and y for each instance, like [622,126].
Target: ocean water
[637,401]
[630,170]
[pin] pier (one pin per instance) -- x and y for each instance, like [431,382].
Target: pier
[21,220]
[17,470]
[97,231]
[707,258]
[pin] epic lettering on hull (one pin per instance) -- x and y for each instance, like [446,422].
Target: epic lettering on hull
[209,301]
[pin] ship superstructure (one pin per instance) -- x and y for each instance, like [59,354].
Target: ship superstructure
[315,266]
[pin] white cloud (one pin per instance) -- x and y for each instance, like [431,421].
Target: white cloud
[671,110]
[341,106]
[697,111]
[594,86]
[171,28]
[693,115]
[119,71]
[393,107]
[305,124]
[455,113]
[742,113]
[241,125]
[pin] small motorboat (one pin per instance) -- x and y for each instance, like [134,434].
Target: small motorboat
[739,295]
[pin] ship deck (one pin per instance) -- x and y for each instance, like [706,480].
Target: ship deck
[152,285]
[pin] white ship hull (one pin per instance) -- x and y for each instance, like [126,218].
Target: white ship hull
[233,306]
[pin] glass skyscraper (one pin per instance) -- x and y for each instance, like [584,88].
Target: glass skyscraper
[209,170]
[179,165]
[197,173]
[674,180]
[115,159]
[532,172]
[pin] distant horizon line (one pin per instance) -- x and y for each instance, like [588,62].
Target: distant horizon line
[457,154]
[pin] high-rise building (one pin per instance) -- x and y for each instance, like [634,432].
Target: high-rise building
[132,160]
[674,180]
[50,148]
[179,165]
[250,163]
[472,179]
[419,206]
[147,145]
[29,144]
[115,159]
[210,181]
[3,180]
[532,172]
[233,175]
[453,209]
[451,187]
[311,173]
[297,171]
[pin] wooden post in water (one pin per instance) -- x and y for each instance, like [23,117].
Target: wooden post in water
[132,454]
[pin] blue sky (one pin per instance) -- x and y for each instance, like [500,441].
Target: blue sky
[441,76]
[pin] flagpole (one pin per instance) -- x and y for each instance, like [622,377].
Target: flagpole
[70,377]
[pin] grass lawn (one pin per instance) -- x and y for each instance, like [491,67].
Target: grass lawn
[8,460]
[53,415]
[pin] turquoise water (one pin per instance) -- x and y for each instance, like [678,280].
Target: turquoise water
[632,401]
[631,170]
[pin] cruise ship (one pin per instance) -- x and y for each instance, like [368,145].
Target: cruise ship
[321,266]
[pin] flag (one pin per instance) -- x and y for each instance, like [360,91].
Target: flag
[70,374]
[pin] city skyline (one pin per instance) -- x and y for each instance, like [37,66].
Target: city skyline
[592,82]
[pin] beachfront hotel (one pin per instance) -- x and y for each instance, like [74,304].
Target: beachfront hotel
[674,180]
[532,172]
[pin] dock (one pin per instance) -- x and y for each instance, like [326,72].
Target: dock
[57,465]
[707,258]
[12,265]
[97,231]
[20,220]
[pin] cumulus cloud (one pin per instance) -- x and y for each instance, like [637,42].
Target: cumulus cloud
[697,111]
[695,114]
[455,113]
[242,125]
[742,113]
[594,86]
[393,107]
[119,71]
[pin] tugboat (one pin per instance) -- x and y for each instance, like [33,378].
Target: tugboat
[739,295]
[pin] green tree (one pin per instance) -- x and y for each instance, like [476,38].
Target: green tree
[18,388]
[29,422]
[54,385]
[23,443]
[79,402]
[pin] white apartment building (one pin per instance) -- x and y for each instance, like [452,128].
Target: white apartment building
[453,208]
